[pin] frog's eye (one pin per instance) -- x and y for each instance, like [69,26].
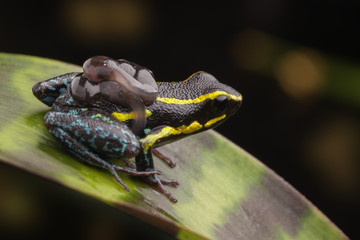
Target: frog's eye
[220,103]
[84,91]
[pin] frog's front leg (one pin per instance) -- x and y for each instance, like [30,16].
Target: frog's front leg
[90,138]
[144,160]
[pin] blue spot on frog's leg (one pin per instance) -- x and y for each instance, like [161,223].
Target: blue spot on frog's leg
[82,129]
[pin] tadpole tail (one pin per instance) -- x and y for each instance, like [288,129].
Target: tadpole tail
[100,69]
[139,121]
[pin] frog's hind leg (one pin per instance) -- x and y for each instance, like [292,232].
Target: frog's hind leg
[66,128]
[84,155]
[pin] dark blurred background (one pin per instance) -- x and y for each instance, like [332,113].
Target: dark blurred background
[297,64]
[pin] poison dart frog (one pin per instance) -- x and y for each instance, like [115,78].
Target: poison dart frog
[116,109]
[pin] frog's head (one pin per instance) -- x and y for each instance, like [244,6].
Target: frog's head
[201,101]
[216,101]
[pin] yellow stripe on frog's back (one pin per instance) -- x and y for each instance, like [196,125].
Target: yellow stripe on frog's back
[199,99]
[126,116]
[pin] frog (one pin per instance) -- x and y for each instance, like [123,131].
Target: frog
[97,118]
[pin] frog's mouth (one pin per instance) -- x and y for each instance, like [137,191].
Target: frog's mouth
[215,121]
[196,127]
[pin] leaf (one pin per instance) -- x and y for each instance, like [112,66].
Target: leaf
[225,193]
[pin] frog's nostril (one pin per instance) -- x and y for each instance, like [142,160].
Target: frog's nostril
[36,90]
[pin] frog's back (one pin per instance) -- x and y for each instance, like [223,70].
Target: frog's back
[182,103]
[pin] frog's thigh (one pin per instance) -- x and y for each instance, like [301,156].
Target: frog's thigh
[106,138]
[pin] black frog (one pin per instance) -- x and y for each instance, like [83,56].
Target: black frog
[115,109]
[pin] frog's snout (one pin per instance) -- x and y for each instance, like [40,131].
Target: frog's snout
[235,100]
[239,102]
[236,104]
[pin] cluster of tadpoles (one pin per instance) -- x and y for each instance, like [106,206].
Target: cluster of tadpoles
[118,81]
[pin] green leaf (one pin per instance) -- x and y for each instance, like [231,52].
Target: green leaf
[225,193]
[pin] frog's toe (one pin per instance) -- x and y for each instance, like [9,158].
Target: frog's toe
[158,185]
[111,168]
[134,172]
[171,182]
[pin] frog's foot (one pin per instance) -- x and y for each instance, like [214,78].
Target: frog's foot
[134,172]
[166,159]
[158,184]
[114,168]
[111,168]
[170,182]
[131,169]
